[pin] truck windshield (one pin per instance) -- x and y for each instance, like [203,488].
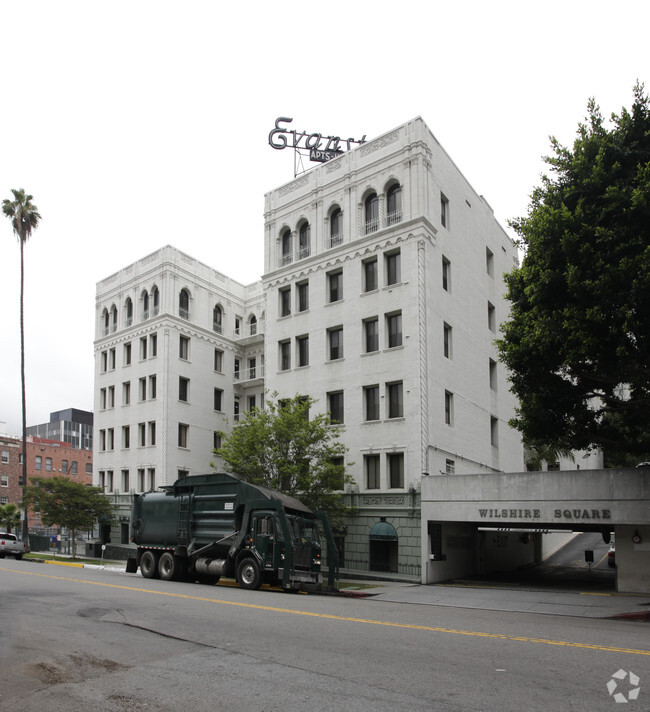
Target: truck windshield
[303,530]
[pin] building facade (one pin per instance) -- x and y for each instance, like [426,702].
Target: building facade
[71,425]
[179,354]
[383,279]
[381,298]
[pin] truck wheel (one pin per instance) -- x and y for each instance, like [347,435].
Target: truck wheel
[248,574]
[167,566]
[18,557]
[149,564]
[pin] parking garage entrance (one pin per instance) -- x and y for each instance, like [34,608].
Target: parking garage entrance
[474,524]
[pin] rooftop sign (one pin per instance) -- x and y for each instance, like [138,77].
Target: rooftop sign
[321,148]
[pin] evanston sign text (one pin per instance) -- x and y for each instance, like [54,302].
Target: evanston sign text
[321,148]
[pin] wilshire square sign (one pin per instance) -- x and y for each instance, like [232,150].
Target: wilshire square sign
[320,148]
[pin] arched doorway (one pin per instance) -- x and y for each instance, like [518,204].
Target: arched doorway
[383,547]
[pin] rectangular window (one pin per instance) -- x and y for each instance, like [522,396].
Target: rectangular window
[236,369]
[102,444]
[110,439]
[142,434]
[396,470]
[183,389]
[143,348]
[371,334]
[152,432]
[493,374]
[218,360]
[302,296]
[444,211]
[73,467]
[184,348]
[285,301]
[141,480]
[5,457]
[489,262]
[446,339]
[104,365]
[371,402]
[143,389]
[251,403]
[370,277]
[450,467]
[48,464]
[302,344]
[449,408]
[126,393]
[236,408]
[252,368]
[335,286]
[152,386]
[393,268]
[492,317]
[183,434]
[284,348]
[153,345]
[494,431]
[394,329]
[4,480]
[371,469]
[127,354]
[111,359]
[218,399]
[446,274]
[109,480]
[151,477]
[238,321]
[125,486]
[216,440]
[111,396]
[102,398]
[335,342]
[395,391]
[335,406]
[126,437]
[64,467]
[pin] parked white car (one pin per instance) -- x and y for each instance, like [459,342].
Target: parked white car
[10,546]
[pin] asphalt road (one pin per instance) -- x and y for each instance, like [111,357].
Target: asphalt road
[82,639]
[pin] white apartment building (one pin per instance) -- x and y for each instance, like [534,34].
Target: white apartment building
[381,298]
[384,292]
[179,354]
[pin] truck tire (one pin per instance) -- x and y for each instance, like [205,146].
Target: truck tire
[248,574]
[167,566]
[149,564]
[18,557]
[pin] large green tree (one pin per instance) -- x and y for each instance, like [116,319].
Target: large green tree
[24,218]
[578,341]
[289,448]
[68,504]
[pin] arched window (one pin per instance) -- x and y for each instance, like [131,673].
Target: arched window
[217,319]
[128,309]
[155,294]
[394,204]
[252,323]
[336,227]
[371,213]
[113,318]
[286,247]
[145,305]
[106,318]
[304,242]
[184,304]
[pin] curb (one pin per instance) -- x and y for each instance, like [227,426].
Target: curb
[643,616]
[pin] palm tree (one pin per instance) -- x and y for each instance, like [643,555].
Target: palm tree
[9,517]
[24,218]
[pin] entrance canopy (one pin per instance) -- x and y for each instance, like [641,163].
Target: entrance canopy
[579,500]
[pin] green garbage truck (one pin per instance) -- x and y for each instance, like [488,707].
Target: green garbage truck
[204,527]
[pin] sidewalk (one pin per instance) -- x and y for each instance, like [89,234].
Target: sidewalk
[570,599]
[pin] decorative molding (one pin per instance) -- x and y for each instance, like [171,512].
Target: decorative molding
[291,187]
[369,148]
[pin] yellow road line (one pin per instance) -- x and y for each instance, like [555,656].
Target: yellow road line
[347,619]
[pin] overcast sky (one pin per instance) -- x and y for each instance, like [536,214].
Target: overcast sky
[145,123]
